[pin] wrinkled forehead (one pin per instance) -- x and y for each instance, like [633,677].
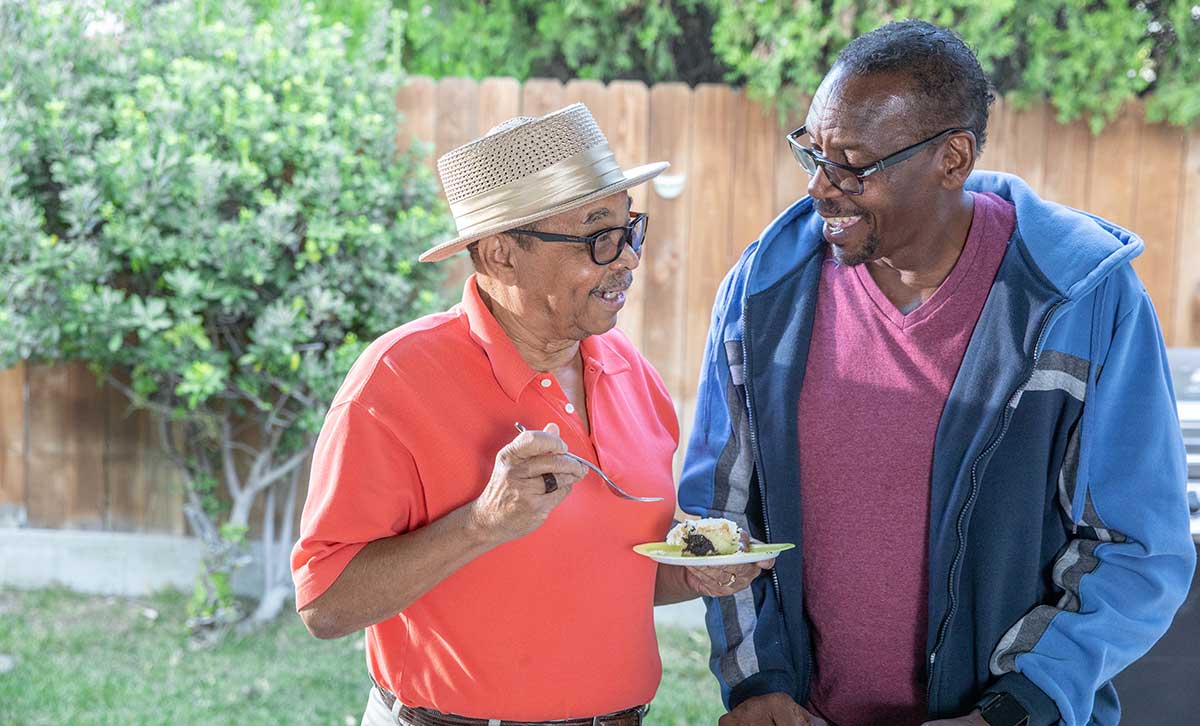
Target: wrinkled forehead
[863,110]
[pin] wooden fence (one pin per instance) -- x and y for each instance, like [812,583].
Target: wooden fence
[72,456]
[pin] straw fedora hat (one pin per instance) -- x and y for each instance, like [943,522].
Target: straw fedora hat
[528,169]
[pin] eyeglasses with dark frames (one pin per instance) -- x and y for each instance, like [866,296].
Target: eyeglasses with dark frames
[605,245]
[850,179]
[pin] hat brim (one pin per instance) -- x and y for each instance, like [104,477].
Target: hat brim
[633,177]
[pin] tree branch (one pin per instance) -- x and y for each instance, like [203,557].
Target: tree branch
[232,482]
[268,541]
[287,466]
[289,515]
[133,396]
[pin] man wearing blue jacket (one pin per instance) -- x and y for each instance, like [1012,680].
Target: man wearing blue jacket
[953,396]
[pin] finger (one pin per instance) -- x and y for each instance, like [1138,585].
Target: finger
[561,466]
[551,428]
[528,444]
[708,576]
[766,564]
[547,502]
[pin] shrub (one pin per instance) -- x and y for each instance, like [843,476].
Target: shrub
[212,213]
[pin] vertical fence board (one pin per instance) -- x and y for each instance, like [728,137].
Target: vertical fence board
[499,100]
[87,427]
[995,153]
[1114,169]
[416,102]
[790,181]
[664,269]
[162,480]
[1027,145]
[540,96]
[1068,162]
[1187,292]
[12,444]
[710,186]
[123,452]
[50,450]
[628,132]
[458,106]
[66,440]
[596,96]
[1158,199]
[754,143]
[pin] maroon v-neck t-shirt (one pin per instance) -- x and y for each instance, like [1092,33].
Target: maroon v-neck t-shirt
[874,389]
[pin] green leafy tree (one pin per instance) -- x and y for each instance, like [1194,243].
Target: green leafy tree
[650,40]
[1086,57]
[212,213]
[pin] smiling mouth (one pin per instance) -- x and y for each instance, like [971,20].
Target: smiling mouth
[611,295]
[838,225]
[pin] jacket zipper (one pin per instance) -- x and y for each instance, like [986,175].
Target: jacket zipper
[762,484]
[962,514]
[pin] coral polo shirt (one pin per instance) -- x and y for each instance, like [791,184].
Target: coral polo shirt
[558,624]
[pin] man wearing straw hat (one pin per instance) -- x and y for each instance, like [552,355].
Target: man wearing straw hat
[493,573]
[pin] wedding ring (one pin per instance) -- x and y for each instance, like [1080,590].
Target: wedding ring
[732,579]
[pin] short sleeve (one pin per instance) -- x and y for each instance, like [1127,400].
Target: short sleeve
[364,486]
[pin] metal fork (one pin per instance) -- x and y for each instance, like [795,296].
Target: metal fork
[611,484]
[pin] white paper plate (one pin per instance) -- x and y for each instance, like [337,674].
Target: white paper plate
[672,554]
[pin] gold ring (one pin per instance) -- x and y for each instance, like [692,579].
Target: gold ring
[732,579]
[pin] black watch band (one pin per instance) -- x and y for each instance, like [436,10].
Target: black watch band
[1001,709]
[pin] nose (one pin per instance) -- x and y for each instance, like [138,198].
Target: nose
[819,186]
[628,259]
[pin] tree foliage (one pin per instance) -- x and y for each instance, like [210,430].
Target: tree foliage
[213,214]
[1085,57]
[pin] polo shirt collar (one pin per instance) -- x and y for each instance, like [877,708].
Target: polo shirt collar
[510,369]
[599,351]
[512,372]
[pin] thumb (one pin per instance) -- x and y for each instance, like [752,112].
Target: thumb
[551,428]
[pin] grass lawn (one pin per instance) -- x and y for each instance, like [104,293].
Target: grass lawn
[99,660]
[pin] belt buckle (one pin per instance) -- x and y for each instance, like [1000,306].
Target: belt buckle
[638,714]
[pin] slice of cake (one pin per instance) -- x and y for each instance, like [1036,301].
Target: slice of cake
[705,537]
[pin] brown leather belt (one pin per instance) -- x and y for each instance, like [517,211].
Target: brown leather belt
[427,717]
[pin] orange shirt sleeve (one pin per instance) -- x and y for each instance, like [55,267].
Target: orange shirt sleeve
[364,486]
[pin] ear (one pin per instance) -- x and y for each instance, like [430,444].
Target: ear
[958,160]
[496,253]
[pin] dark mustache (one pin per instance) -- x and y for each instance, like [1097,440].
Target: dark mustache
[827,211]
[619,283]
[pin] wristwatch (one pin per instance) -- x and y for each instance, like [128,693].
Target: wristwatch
[1001,709]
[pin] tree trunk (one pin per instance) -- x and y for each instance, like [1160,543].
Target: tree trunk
[276,547]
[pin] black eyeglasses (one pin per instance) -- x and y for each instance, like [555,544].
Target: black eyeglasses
[607,244]
[849,179]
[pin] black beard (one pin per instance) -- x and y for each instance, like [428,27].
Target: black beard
[866,254]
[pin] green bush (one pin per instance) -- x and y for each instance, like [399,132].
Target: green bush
[1086,57]
[650,40]
[214,210]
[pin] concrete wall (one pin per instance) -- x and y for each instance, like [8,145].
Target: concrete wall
[117,563]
